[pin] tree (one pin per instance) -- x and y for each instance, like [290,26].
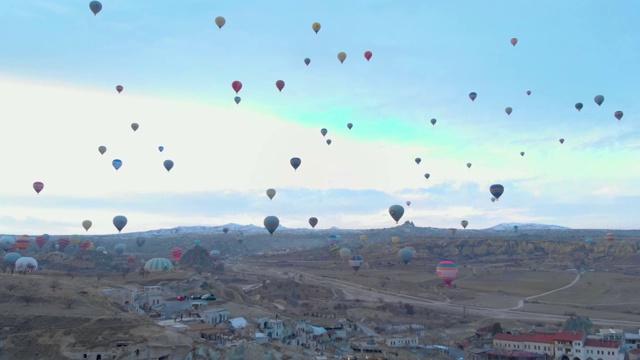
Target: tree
[496,328]
[54,284]
[28,299]
[69,302]
[12,286]
[578,323]
[409,309]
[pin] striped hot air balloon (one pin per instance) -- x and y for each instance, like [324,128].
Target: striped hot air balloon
[447,271]
[176,252]
[158,264]
[23,242]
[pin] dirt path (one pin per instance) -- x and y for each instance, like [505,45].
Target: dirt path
[521,302]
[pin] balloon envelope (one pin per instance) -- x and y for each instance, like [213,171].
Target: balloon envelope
[464,223]
[271,193]
[95,7]
[120,221]
[396,212]
[38,186]
[280,85]
[508,110]
[237,100]
[323,131]
[220,21]
[119,88]
[433,121]
[618,114]
[579,106]
[368,55]
[418,160]
[117,163]
[168,164]
[295,162]
[447,271]
[355,261]
[87,224]
[514,41]
[496,190]
[599,99]
[26,264]
[102,149]
[271,223]
[307,61]
[349,126]
[405,255]
[473,96]
[313,221]
[342,56]
[316,27]
[161,148]
[236,86]
[135,126]
[158,264]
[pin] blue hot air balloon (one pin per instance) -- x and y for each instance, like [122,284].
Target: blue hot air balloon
[95,7]
[120,221]
[117,163]
[161,148]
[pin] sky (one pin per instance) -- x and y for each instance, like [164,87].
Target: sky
[60,64]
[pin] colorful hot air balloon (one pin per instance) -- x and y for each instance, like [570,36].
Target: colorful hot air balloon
[63,243]
[406,255]
[349,126]
[345,253]
[280,85]
[508,110]
[610,237]
[363,238]
[418,160]
[271,223]
[313,221]
[514,41]
[368,55]
[41,241]
[176,252]
[38,186]
[102,149]
[396,212]
[237,99]
[307,61]
[26,264]
[578,106]
[464,223]
[131,260]
[168,164]
[95,7]
[618,114]
[473,96]
[87,224]
[496,190]
[447,271]
[220,21]
[395,240]
[599,99]
[236,86]
[356,261]
[271,193]
[561,141]
[433,121]
[119,221]
[117,163]
[23,242]
[119,88]
[214,255]
[342,56]
[453,231]
[316,27]
[158,264]
[295,163]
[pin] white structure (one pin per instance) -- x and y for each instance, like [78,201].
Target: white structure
[401,341]
[153,298]
[215,316]
[595,349]
[274,329]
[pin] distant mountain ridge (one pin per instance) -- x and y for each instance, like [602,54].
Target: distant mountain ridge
[526,226]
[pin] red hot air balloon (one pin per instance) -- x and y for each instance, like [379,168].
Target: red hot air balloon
[63,243]
[368,55]
[119,88]
[176,252]
[236,86]
[38,186]
[85,246]
[280,85]
[131,260]
[40,241]
[23,242]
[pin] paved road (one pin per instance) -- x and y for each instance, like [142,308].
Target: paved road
[357,291]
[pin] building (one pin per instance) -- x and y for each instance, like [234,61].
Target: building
[152,297]
[565,345]
[596,349]
[477,353]
[214,316]
[407,341]
[124,297]
[274,329]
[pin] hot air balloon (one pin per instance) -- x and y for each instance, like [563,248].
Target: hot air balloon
[521,153]
[161,148]
[610,237]
[561,141]
[271,223]
[119,221]
[468,165]
[447,271]
[496,190]
[176,252]
[342,56]
[427,176]
[86,224]
[40,241]
[514,41]
[405,255]
[63,243]
[295,163]
[418,161]
[220,21]
[26,264]
[349,126]
[158,264]
[579,106]
[528,92]
[363,238]
[168,164]
[95,7]
[508,110]
[236,86]
[395,240]
[225,229]
[280,85]
[197,243]
[117,163]
[599,99]
[7,242]
[214,255]
[135,126]
[316,27]
[618,114]
[433,121]
[307,61]
[408,203]
[119,88]
[140,241]
[333,240]
[119,249]
[515,228]
[345,253]
[102,149]
[356,261]
[396,212]
[237,99]
[38,186]
[131,260]
[493,199]
[464,223]
[368,55]
[313,221]
[23,242]
[323,131]
[473,96]
[328,141]
[271,193]
[10,259]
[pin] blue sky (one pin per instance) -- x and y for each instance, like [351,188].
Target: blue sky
[60,66]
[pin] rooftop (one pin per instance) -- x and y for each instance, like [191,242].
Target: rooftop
[613,344]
